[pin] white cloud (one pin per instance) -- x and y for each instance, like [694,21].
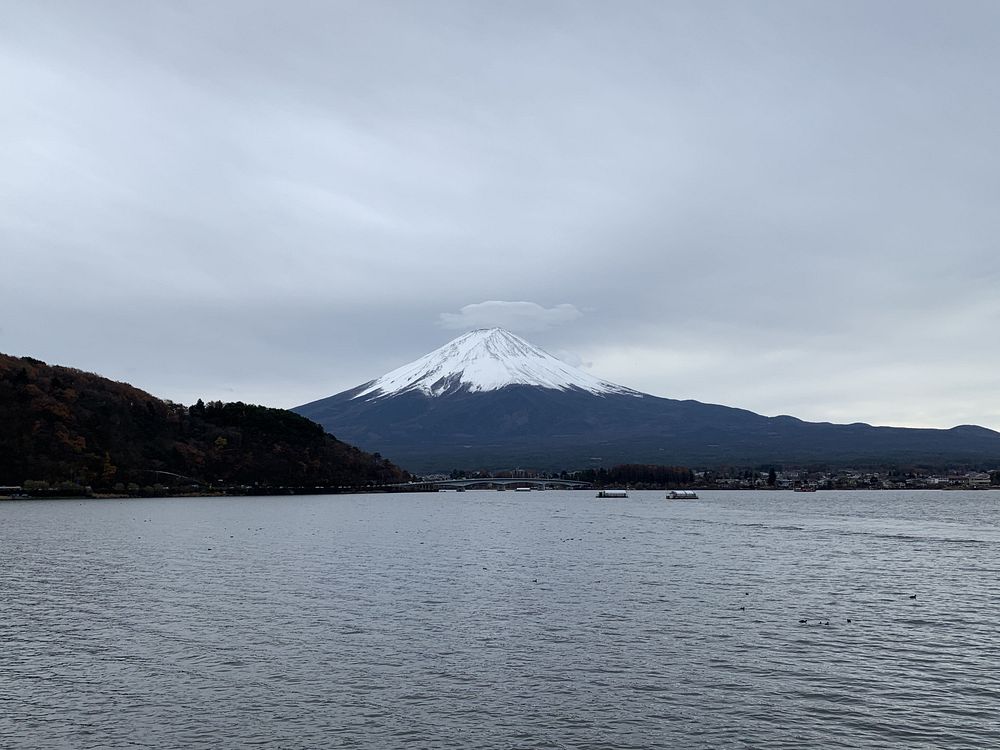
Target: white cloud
[516,316]
[298,196]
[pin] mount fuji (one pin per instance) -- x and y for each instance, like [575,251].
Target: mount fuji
[489,399]
[486,360]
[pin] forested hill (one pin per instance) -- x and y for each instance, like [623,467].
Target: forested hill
[58,424]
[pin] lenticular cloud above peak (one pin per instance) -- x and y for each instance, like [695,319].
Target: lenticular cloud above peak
[518,316]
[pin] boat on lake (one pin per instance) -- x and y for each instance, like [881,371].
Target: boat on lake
[612,493]
[682,495]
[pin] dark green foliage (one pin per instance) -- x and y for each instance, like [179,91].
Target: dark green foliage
[638,475]
[59,424]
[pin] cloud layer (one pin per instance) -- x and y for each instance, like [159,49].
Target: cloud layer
[525,317]
[785,206]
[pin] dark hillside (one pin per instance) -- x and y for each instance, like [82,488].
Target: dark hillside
[61,424]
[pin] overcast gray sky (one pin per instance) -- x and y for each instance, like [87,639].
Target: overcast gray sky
[791,207]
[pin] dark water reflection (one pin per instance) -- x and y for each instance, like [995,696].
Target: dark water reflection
[502,620]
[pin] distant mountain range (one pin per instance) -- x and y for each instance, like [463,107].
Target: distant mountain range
[58,424]
[489,399]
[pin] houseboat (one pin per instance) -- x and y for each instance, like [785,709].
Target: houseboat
[682,495]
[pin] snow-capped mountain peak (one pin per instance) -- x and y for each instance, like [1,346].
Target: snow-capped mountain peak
[487,359]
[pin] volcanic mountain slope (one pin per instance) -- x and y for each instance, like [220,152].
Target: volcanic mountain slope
[489,399]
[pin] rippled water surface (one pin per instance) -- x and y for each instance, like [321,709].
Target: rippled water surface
[502,620]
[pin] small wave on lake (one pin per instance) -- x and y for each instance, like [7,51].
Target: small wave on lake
[494,620]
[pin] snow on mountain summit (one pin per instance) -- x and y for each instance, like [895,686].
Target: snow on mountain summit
[486,360]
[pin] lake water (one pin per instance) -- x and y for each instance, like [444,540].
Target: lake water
[503,620]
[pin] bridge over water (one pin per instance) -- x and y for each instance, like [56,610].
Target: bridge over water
[505,483]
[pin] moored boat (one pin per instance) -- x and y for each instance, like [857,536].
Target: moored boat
[682,495]
[612,493]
